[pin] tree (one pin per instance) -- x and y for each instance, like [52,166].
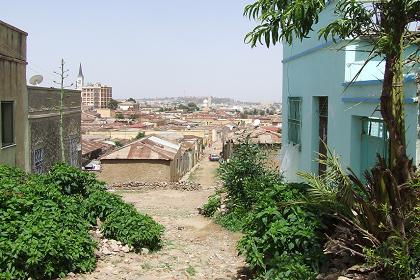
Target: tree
[113,104]
[382,23]
[131,100]
[62,74]
[119,116]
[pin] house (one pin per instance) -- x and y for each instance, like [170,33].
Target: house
[13,97]
[29,116]
[320,104]
[44,127]
[149,159]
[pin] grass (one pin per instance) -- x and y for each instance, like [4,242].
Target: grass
[190,270]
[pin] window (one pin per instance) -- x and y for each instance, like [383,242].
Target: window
[294,120]
[73,151]
[7,124]
[38,160]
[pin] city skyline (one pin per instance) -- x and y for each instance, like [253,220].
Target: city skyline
[192,49]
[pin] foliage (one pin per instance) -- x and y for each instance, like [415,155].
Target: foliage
[113,104]
[45,222]
[140,135]
[72,180]
[119,116]
[281,238]
[245,175]
[43,233]
[130,227]
[190,107]
[233,220]
[118,144]
[131,100]
[212,205]
[382,212]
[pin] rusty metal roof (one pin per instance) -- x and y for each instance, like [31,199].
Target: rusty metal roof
[151,147]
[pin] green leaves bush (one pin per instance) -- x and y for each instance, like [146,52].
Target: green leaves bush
[282,237]
[45,222]
[211,206]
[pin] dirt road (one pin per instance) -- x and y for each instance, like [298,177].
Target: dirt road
[194,247]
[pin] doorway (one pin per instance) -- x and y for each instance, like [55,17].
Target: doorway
[323,131]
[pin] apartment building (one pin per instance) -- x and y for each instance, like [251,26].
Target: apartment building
[96,96]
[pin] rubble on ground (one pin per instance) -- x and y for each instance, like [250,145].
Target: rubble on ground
[180,186]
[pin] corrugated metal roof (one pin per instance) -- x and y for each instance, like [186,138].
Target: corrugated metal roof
[150,147]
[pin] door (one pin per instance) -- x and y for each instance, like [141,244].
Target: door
[374,142]
[323,131]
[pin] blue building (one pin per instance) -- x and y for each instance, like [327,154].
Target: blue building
[320,103]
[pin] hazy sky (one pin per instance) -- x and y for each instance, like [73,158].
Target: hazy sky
[149,48]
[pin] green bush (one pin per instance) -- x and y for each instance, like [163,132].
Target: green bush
[45,222]
[281,237]
[211,206]
[130,227]
[42,233]
[233,220]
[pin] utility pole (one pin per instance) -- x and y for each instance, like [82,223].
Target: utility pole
[62,74]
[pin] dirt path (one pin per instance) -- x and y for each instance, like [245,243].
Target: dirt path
[194,247]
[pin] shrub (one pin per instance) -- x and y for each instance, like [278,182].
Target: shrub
[233,220]
[45,222]
[212,205]
[130,227]
[140,135]
[282,238]
[43,234]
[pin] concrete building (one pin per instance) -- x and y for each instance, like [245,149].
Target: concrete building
[13,97]
[96,96]
[150,159]
[44,127]
[320,103]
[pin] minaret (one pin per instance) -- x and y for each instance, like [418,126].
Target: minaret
[80,82]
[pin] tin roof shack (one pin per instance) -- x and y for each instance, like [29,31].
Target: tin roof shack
[13,97]
[44,127]
[150,159]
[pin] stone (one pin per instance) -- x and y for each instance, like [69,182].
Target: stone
[343,278]
[71,274]
[125,249]
[106,251]
[144,251]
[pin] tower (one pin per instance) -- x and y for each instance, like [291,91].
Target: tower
[80,81]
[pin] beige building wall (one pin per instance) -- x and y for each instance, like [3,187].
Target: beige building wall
[120,171]
[96,96]
[13,89]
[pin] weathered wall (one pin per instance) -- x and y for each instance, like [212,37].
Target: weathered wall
[44,122]
[13,88]
[120,171]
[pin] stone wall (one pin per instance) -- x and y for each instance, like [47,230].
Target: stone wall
[121,171]
[44,126]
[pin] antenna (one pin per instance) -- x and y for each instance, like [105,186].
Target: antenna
[36,80]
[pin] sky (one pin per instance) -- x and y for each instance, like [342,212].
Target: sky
[149,48]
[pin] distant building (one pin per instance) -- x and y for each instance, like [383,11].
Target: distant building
[128,106]
[96,96]
[13,97]
[150,159]
[44,128]
[80,82]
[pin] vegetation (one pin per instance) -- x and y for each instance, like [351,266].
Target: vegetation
[281,241]
[140,135]
[287,226]
[131,100]
[119,116]
[376,211]
[113,104]
[190,107]
[45,222]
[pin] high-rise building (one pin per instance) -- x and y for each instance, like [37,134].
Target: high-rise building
[96,96]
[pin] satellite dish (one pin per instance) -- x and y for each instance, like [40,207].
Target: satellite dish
[36,80]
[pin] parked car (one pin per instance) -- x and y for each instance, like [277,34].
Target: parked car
[214,157]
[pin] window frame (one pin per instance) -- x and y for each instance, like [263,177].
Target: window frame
[294,121]
[2,126]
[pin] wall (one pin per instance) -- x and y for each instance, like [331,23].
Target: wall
[315,68]
[13,88]
[44,123]
[120,171]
